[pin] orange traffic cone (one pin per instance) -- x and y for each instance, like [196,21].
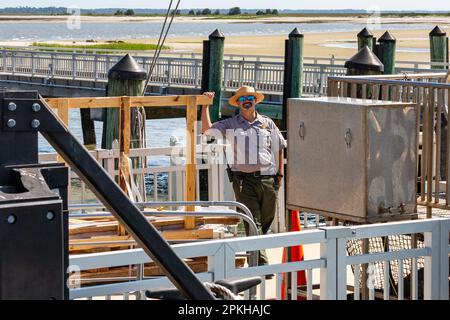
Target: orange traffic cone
[296,255]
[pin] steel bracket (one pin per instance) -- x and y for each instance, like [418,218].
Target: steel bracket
[28,115]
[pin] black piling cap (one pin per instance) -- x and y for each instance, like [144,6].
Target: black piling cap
[365,59]
[437,32]
[295,34]
[364,33]
[387,37]
[127,69]
[217,34]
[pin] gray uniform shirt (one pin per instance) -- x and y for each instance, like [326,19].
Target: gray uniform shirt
[253,146]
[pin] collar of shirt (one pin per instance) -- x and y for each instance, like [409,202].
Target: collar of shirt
[259,119]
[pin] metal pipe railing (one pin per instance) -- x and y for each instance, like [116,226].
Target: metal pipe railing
[253,229]
[247,216]
[265,75]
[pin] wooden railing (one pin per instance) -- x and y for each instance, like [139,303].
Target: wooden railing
[62,105]
[431,94]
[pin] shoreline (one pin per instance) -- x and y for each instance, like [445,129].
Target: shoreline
[444,20]
[414,44]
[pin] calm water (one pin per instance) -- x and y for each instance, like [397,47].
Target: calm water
[45,31]
[158,135]
[158,131]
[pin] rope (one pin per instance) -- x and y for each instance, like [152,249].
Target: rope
[221,292]
[161,43]
[160,37]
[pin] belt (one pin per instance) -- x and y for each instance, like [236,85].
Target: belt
[256,174]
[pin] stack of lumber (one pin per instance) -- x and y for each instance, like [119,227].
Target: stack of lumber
[102,234]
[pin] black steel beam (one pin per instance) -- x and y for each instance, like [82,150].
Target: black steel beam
[109,193]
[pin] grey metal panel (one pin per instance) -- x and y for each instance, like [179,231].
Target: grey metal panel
[391,158]
[323,173]
[328,176]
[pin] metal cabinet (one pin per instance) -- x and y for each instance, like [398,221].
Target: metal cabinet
[352,159]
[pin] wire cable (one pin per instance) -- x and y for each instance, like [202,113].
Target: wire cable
[160,44]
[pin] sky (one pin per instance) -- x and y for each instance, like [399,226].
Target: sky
[279,4]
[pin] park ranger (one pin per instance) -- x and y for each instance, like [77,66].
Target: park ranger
[256,158]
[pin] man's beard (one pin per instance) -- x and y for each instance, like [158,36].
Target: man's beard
[247,105]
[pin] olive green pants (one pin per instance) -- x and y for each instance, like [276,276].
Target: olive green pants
[259,195]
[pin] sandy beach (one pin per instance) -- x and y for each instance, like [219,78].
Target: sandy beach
[316,44]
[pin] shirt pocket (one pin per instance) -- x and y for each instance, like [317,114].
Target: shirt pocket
[265,139]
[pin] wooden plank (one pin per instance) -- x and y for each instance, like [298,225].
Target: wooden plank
[124,131]
[63,106]
[116,241]
[188,234]
[91,102]
[124,142]
[85,226]
[190,192]
[115,102]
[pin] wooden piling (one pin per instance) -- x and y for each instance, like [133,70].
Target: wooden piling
[126,78]
[212,77]
[127,125]
[385,51]
[293,71]
[438,47]
[365,62]
[88,129]
[292,88]
[365,38]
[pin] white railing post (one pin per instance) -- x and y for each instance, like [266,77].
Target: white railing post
[333,277]
[169,71]
[432,280]
[74,66]
[328,274]
[197,80]
[13,62]
[444,269]
[225,75]
[95,67]
[216,264]
[52,68]
[4,68]
[256,78]
[33,64]
[241,72]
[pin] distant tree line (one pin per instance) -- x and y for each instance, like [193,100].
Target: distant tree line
[204,12]
[128,12]
[267,12]
[235,11]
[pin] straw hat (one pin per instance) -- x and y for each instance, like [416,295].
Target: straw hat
[245,91]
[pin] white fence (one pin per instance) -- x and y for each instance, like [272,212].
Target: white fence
[174,172]
[327,274]
[262,73]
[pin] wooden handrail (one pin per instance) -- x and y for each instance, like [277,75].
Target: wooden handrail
[116,102]
[191,102]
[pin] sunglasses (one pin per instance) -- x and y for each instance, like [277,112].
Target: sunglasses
[246,98]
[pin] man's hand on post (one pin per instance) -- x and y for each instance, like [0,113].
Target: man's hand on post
[209,94]
[206,121]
